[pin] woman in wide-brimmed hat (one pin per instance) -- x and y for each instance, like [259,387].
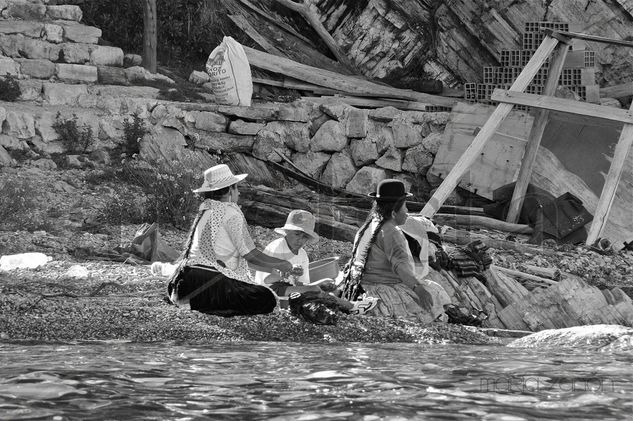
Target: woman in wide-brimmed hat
[214,275]
[382,264]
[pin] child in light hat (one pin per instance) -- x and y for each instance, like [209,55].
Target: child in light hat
[297,232]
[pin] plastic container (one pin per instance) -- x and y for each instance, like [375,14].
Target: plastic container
[24,261]
[163,269]
[324,268]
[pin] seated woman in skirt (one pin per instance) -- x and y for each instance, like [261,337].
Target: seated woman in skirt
[214,275]
[382,264]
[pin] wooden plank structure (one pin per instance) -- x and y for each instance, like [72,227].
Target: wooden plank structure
[556,43]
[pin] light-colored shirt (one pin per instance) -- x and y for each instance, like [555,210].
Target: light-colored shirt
[279,248]
[389,260]
[222,235]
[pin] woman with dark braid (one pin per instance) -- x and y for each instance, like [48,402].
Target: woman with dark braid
[382,264]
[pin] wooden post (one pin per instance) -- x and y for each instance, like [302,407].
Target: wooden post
[488,130]
[607,196]
[149,35]
[536,134]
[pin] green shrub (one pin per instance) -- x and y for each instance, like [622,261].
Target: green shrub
[133,131]
[76,139]
[167,188]
[9,89]
[125,208]
[21,206]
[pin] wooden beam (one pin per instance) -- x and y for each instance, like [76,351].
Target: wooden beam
[481,221]
[308,10]
[617,91]
[536,134]
[588,37]
[370,102]
[333,80]
[563,105]
[620,155]
[488,130]
[243,23]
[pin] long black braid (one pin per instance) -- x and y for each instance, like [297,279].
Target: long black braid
[353,273]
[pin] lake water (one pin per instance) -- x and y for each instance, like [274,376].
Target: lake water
[290,381]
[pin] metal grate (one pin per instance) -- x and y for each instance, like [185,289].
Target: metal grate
[555,26]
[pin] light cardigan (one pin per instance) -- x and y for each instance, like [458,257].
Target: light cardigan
[389,260]
[222,235]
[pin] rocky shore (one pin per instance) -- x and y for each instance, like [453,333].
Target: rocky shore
[89,292]
[119,301]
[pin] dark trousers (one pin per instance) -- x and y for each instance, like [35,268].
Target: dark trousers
[211,292]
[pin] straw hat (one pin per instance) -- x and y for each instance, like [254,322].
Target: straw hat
[300,220]
[219,177]
[390,189]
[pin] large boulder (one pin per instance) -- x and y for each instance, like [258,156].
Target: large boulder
[44,126]
[366,179]
[11,45]
[53,33]
[432,142]
[19,124]
[329,138]
[77,73]
[417,160]
[601,337]
[5,158]
[36,48]
[312,163]
[63,94]
[363,151]
[30,89]
[76,32]
[405,135]
[64,12]
[106,56]
[339,170]
[381,135]
[391,160]
[73,53]
[9,67]
[266,142]
[245,127]
[294,135]
[24,10]
[37,68]
[208,121]
[356,123]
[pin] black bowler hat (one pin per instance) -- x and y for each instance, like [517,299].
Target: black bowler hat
[390,189]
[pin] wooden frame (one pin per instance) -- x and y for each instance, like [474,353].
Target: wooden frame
[555,43]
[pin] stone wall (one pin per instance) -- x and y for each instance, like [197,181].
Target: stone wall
[335,143]
[63,73]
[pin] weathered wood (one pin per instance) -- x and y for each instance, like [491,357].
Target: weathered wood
[549,273]
[524,276]
[255,113]
[481,221]
[337,81]
[563,105]
[308,11]
[370,102]
[588,37]
[617,91]
[488,130]
[300,86]
[225,142]
[461,237]
[620,155]
[536,134]
[149,35]
[246,26]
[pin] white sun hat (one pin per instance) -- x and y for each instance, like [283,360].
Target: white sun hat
[219,177]
[300,220]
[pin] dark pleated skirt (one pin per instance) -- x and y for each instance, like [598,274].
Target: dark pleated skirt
[213,293]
